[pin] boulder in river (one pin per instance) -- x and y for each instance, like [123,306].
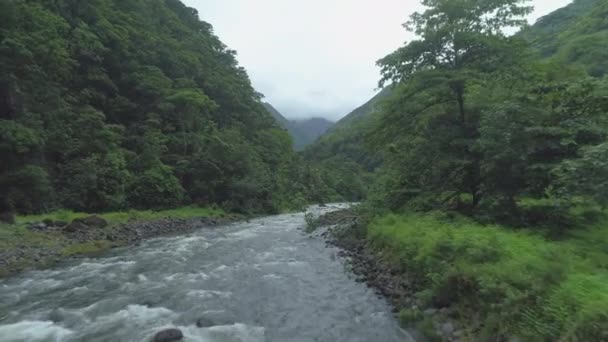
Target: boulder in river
[204,322]
[168,335]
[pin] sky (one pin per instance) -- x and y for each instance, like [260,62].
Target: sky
[316,58]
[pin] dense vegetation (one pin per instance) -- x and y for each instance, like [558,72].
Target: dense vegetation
[491,186]
[576,34]
[346,162]
[478,124]
[107,105]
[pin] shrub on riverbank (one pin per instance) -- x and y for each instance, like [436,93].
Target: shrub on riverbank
[520,283]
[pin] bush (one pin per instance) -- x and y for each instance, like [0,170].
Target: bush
[156,188]
[520,282]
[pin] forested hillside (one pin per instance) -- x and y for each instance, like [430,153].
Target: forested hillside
[303,131]
[575,34]
[109,104]
[345,139]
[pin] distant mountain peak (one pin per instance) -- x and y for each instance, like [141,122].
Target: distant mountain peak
[303,131]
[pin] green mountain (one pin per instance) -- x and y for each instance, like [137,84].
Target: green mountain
[110,104]
[345,139]
[304,132]
[575,34]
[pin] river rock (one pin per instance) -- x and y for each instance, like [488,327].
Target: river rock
[429,312]
[204,322]
[168,335]
[447,328]
[93,221]
[75,226]
[60,223]
[38,226]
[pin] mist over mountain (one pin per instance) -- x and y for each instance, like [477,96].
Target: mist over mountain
[303,131]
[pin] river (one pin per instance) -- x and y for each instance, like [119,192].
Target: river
[263,280]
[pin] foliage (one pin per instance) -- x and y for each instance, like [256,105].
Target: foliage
[106,105]
[520,282]
[575,34]
[476,122]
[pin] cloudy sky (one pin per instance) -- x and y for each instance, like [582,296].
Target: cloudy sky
[316,57]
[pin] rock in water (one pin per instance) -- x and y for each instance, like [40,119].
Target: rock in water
[168,335]
[204,323]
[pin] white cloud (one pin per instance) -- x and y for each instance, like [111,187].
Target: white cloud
[316,57]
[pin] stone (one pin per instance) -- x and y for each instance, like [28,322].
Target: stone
[48,222]
[204,322]
[37,226]
[429,312]
[168,335]
[60,223]
[93,221]
[447,328]
[75,226]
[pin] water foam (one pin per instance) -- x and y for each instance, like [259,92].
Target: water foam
[33,331]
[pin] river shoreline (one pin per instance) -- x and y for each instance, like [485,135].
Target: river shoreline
[89,240]
[343,229]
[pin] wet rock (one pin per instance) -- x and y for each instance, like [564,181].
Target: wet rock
[149,303]
[204,322]
[93,221]
[168,335]
[56,316]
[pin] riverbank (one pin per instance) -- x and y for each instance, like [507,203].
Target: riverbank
[43,240]
[456,280]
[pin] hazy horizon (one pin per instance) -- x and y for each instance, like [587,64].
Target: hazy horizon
[314,58]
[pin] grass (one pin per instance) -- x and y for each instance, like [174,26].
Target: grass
[522,283]
[126,216]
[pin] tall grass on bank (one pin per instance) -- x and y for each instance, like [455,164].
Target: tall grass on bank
[518,282]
